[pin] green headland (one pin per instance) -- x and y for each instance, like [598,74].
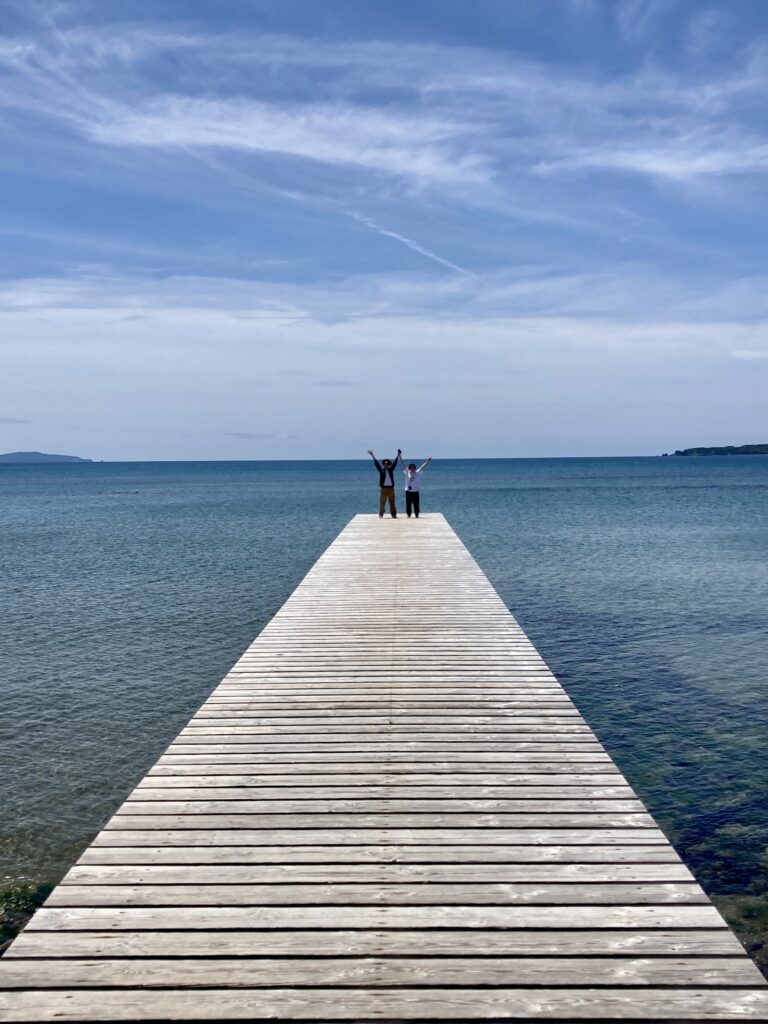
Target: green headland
[16,457]
[729,449]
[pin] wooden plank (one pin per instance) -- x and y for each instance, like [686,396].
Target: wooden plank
[429,874]
[283,804]
[156,819]
[395,972]
[287,704]
[382,853]
[326,1004]
[389,759]
[398,694]
[184,777]
[345,836]
[517,696]
[370,715]
[396,894]
[557,740]
[475,942]
[508,730]
[504,668]
[544,772]
[206,788]
[341,736]
[50,918]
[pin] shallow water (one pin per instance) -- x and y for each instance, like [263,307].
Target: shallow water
[128,589]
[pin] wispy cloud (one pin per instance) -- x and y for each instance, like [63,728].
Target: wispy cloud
[683,158]
[82,79]
[251,305]
[11,419]
[438,117]
[247,307]
[409,243]
[423,149]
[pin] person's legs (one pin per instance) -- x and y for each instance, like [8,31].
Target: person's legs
[416,503]
[392,508]
[387,495]
[408,503]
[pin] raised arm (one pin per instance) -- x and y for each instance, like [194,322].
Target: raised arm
[398,456]
[425,464]
[375,460]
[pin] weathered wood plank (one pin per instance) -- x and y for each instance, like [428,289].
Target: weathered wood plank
[552,942]
[370,716]
[50,918]
[395,894]
[399,695]
[156,819]
[373,697]
[549,741]
[317,1004]
[430,874]
[244,972]
[544,772]
[519,729]
[382,853]
[249,754]
[207,789]
[247,804]
[373,783]
[219,835]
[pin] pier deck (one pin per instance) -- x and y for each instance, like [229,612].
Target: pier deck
[388,810]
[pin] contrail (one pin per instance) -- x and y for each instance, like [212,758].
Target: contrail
[410,244]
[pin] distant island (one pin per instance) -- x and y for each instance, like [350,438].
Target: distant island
[39,457]
[729,449]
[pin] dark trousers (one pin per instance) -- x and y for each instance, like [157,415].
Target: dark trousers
[412,502]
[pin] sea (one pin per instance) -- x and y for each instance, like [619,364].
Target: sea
[128,589]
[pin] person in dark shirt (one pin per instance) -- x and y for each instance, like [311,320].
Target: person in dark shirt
[386,470]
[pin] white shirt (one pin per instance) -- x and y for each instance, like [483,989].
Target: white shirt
[412,479]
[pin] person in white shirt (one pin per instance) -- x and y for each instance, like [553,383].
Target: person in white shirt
[412,484]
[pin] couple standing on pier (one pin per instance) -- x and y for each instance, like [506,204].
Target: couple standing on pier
[386,470]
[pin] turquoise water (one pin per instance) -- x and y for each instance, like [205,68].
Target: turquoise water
[127,590]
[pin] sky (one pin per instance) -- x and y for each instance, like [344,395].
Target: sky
[251,229]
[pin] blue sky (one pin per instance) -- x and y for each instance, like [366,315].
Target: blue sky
[295,229]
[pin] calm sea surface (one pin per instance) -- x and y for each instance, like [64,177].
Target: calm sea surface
[128,589]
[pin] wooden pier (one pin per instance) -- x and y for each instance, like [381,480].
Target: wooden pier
[388,810]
